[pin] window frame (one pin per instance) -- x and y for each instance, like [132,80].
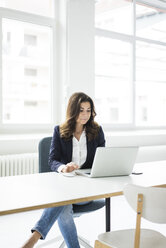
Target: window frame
[132,39]
[38,20]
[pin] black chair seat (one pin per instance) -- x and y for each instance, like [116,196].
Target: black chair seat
[89,207]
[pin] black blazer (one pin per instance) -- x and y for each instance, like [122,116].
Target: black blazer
[61,150]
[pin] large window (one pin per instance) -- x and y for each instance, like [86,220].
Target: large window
[130,57]
[27,62]
[113,89]
[150,84]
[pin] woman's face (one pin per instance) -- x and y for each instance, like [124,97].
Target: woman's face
[85,113]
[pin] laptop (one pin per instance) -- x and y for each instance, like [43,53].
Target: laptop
[111,161]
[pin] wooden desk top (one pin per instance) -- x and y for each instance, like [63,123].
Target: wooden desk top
[36,191]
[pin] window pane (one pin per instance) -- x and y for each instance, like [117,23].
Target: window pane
[44,7]
[150,23]
[26,65]
[150,84]
[113,81]
[114,15]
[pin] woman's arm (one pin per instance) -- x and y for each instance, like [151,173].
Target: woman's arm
[101,138]
[55,154]
[57,160]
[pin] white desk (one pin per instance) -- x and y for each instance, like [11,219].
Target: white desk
[37,191]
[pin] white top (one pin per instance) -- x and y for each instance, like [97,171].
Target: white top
[79,151]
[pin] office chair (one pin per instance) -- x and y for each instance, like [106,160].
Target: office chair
[149,203]
[78,210]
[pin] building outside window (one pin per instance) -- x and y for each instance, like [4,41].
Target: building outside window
[26,64]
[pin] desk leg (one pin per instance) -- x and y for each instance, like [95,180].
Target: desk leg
[108,214]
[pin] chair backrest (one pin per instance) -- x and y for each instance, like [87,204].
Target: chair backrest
[154,201]
[44,148]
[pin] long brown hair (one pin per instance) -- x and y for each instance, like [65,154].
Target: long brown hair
[73,110]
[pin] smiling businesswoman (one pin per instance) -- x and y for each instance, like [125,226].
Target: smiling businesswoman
[73,146]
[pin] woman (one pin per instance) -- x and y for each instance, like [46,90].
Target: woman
[73,146]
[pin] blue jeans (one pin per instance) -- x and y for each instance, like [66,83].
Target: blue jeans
[64,215]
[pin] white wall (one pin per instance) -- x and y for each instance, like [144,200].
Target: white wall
[152,146]
[80,46]
[74,69]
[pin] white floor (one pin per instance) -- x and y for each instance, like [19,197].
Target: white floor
[15,229]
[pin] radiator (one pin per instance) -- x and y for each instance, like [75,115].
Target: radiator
[18,164]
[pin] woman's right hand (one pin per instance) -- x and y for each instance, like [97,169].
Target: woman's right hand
[70,167]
